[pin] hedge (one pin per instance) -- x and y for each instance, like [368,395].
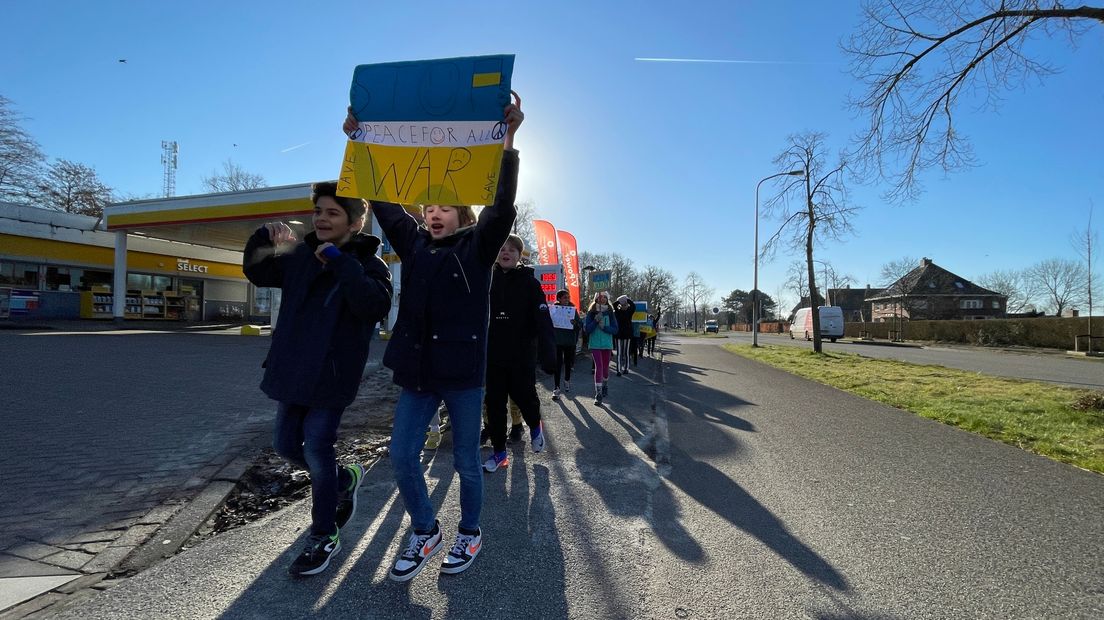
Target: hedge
[1050,332]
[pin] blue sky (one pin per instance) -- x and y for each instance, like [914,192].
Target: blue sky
[656,161]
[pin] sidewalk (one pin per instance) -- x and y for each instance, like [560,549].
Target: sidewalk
[541,528]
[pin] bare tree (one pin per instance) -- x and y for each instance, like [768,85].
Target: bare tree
[1012,284]
[622,276]
[21,158]
[812,209]
[1083,243]
[1060,281]
[695,291]
[233,178]
[896,269]
[797,281]
[917,58]
[523,224]
[75,188]
[656,286]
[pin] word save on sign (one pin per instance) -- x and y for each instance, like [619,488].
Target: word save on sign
[429,131]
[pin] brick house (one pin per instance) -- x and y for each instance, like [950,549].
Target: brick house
[933,293]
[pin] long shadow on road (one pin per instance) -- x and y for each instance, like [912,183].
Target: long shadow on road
[714,489]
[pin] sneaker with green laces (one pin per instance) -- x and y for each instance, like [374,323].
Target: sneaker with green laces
[347,497]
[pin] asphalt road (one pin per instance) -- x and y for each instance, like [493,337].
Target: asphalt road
[745,493]
[1049,367]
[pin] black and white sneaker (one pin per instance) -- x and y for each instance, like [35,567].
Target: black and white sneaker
[316,556]
[463,552]
[419,548]
[347,497]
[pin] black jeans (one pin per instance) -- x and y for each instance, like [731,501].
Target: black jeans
[565,359]
[519,382]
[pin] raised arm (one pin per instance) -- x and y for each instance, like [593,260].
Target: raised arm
[262,263]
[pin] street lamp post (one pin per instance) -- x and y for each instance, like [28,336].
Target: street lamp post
[755,285]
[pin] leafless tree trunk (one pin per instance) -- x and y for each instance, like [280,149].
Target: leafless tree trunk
[917,58]
[1084,243]
[21,158]
[233,178]
[696,291]
[812,209]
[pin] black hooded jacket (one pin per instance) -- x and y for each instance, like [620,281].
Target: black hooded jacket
[520,328]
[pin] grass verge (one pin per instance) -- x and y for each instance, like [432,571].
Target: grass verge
[1064,424]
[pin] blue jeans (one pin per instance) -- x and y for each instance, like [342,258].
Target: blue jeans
[306,437]
[412,415]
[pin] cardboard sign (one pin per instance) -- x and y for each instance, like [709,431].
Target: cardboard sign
[430,131]
[600,281]
[562,316]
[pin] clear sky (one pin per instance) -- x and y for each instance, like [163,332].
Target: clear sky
[656,161]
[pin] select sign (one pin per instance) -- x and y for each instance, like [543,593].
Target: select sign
[183,264]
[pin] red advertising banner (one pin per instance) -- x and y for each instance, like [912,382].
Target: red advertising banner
[546,242]
[569,256]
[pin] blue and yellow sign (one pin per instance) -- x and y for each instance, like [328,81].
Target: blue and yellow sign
[430,131]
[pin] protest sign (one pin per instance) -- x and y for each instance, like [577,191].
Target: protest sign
[429,131]
[562,316]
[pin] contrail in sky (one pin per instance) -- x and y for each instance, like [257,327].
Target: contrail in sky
[292,148]
[734,62]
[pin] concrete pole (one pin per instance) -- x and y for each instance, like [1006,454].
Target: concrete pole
[118,289]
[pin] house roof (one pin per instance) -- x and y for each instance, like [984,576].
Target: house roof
[931,279]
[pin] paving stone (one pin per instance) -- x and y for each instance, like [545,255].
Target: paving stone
[108,559]
[73,560]
[94,548]
[160,514]
[135,536]
[31,550]
[86,581]
[91,537]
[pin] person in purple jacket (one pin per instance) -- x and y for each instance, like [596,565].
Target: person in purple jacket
[438,351]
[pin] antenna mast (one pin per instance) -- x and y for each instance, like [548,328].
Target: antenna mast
[168,160]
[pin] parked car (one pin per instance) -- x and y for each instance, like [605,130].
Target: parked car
[711,326]
[831,323]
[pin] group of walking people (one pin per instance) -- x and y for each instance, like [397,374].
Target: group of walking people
[471,331]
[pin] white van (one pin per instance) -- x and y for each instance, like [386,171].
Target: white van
[831,323]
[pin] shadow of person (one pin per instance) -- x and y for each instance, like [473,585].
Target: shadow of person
[350,575]
[521,566]
[273,593]
[628,485]
[713,489]
[693,399]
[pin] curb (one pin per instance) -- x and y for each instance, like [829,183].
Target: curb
[167,540]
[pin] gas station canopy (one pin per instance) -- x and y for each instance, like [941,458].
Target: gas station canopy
[223,220]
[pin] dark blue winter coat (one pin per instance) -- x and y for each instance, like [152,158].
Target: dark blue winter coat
[328,313]
[440,337]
